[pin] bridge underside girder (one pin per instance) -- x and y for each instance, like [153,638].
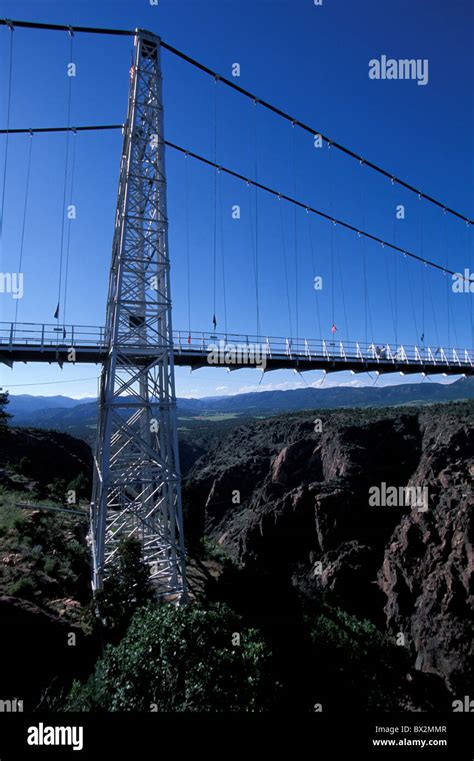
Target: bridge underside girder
[199,359]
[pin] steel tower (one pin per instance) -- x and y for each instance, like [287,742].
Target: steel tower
[137,483]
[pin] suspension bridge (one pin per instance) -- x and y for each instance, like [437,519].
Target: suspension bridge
[137,483]
[24,342]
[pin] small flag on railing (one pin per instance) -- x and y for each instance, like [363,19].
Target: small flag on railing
[333,329]
[189,339]
[56,314]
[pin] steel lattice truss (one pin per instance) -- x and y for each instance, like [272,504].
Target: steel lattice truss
[137,488]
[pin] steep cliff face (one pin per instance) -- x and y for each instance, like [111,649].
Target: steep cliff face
[427,573]
[290,501]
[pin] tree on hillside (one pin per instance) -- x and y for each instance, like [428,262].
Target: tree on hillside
[4,416]
[81,486]
[57,491]
[126,588]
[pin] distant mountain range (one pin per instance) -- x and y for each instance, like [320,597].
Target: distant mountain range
[79,416]
[274,402]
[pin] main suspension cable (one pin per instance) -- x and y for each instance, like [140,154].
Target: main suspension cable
[274,109]
[281,196]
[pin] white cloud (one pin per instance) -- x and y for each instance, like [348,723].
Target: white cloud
[192,394]
[289,385]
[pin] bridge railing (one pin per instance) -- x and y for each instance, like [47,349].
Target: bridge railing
[214,346]
[50,335]
[219,344]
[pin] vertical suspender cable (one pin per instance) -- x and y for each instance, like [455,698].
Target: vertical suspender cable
[256,218]
[415,321]
[285,267]
[435,321]
[331,193]
[66,163]
[68,242]
[188,266]
[9,99]
[333,318]
[422,337]
[364,270]
[219,192]
[395,284]
[470,246]
[468,282]
[252,211]
[389,289]
[25,208]
[214,319]
[453,317]
[296,236]
[251,206]
[371,326]
[311,246]
[446,258]
[390,295]
[364,258]
[338,255]
[456,341]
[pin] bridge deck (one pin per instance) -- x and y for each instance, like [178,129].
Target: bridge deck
[29,342]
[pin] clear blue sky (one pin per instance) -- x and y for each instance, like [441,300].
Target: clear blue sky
[313,62]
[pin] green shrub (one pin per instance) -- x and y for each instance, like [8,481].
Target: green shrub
[24,588]
[354,654]
[181,659]
[49,565]
[214,551]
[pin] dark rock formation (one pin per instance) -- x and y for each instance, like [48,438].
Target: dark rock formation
[50,454]
[38,650]
[303,513]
